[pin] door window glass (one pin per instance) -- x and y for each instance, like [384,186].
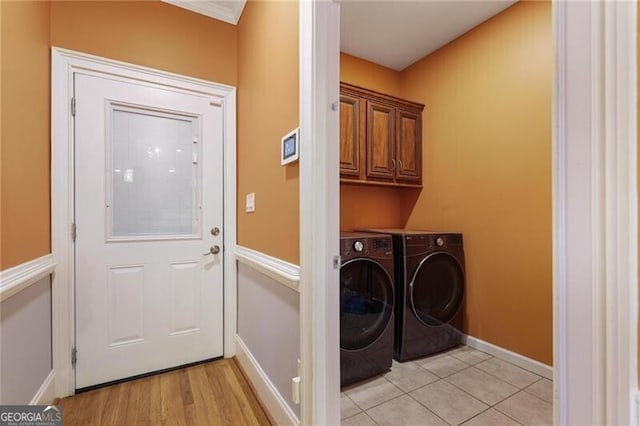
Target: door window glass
[154,174]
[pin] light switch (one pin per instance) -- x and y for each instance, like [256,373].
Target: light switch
[250,205]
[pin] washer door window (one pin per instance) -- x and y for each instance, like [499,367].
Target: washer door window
[437,289]
[366,303]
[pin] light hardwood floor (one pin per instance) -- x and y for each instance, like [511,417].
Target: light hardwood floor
[215,393]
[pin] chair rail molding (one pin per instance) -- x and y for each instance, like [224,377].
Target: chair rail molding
[17,278]
[283,272]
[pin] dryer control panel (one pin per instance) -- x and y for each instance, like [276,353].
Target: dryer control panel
[433,240]
[355,245]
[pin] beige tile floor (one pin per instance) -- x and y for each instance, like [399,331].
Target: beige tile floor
[461,386]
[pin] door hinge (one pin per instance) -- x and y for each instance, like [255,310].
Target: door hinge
[74,357]
[73,106]
[74,232]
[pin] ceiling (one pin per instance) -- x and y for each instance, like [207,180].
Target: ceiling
[396,34]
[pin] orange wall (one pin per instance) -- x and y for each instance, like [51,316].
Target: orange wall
[268,104]
[370,206]
[24,188]
[487,170]
[369,75]
[161,36]
[152,34]
[148,33]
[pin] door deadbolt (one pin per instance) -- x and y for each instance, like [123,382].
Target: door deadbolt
[215,231]
[212,250]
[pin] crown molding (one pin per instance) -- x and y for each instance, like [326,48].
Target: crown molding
[227,11]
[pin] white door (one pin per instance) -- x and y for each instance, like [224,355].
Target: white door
[148,212]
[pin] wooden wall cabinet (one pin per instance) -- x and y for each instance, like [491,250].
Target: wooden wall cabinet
[380,138]
[351,137]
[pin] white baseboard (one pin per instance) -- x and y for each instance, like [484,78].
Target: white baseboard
[46,393]
[522,361]
[267,392]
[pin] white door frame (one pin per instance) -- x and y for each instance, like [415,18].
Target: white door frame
[594,212]
[64,64]
[319,212]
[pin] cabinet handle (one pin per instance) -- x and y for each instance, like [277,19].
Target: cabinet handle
[400,165]
[393,164]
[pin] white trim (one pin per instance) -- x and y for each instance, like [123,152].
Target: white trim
[559,215]
[229,12]
[574,218]
[16,279]
[229,225]
[64,64]
[61,213]
[514,358]
[595,212]
[46,393]
[319,25]
[266,390]
[283,272]
[619,208]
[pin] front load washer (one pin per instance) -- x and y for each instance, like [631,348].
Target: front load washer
[366,306]
[430,290]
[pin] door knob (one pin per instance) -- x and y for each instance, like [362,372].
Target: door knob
[212,250]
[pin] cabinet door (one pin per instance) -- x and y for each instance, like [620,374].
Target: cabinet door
[351,137]
[380,141]
[409,146]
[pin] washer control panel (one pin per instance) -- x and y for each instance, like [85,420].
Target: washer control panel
[364,245]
